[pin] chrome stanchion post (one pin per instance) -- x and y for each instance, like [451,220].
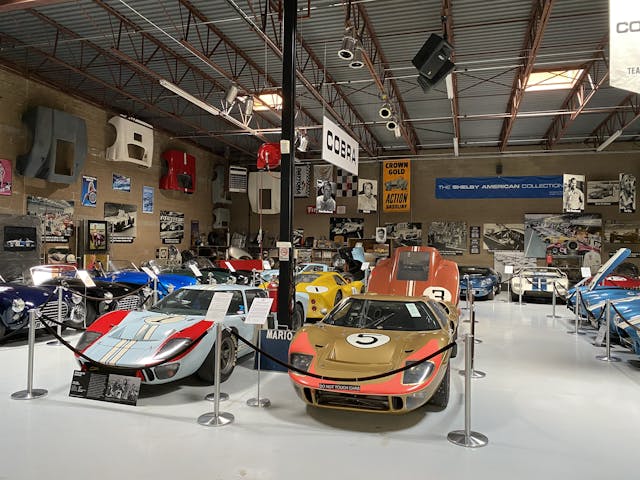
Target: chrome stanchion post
[56,342]
[577,330]
[607,357]
[468,298]
[467,437]
[553,301]
[257,401]
[521,288]
[155,289]
[30,393]
[474,373]
[216,418]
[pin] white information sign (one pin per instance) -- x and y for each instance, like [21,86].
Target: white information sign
[196,271]
[624,44]
[86,278]
[218,307]
[259,311]
[151,273]
[338,147]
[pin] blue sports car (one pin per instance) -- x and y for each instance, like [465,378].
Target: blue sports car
[484,281]
[125,272]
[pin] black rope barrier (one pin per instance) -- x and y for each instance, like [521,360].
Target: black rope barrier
[341,379]
[63,324]
[624,319]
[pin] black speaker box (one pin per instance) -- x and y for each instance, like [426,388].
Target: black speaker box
[433,56]
[427,83]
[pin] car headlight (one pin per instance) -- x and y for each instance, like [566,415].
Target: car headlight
[147,291]
[108,297]
[301,361]
[75,298]
[170,288]
[486,282]
[418,373]
[87,339]
[17,305]
[171,348]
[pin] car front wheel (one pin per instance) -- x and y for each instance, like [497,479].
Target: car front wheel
[440,399]
[228,359]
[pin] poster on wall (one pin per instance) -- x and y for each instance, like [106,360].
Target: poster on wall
[396,177]
[97,236]
[450,238]
[121,183]
[622,232]
[503,236]
[89,191]
[563,234]
[367,195]
[513,258]
[346,183]
[474,239]
[405,233]
[56,216]
[603,192]
[347,227]
[301,181]
[171,226]
[627,193]
[572,193]
[147,199]
[19,239]
[122,221]
[326,196]
[6,177]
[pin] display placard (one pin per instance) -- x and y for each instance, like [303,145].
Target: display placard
[218,307]
[111,387]
[259,311]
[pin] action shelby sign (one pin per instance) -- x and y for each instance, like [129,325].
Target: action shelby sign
[339,148]
[624,44]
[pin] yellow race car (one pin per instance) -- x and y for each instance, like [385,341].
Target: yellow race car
[325,289]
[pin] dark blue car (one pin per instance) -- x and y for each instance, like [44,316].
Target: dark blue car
[484,281]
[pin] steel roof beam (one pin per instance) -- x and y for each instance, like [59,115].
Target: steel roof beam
[540,14]
[338,103]
[617,121]
[589,82]
[378,66]
[146,105]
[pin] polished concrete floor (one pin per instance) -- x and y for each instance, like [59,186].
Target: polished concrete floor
[548,407]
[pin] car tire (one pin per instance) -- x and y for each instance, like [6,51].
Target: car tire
[514,297]
[3,330]
[440,398]
[228,359]
[297,319]
[499,289]
[491,295]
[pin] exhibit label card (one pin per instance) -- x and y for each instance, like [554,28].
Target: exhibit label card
[259,311]
[105,387]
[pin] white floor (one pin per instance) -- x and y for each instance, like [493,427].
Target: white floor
[548,407]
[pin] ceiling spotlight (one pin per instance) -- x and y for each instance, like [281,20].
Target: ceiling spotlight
[248,106]
[348,47]
[357,61]
[385,111]
[232,93]
[392,124]
[304,143]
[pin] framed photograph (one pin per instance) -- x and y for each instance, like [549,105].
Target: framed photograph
[5,177]
[19,239]
[121,183]
[147,199]
[96,235]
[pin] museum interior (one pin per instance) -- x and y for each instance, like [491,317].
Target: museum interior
[238,236]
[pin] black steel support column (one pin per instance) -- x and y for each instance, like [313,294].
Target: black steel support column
[286,287]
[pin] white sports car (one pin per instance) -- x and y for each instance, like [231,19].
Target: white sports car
[538,282]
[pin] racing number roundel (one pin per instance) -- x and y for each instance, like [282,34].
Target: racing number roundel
[367,340]
[437,293]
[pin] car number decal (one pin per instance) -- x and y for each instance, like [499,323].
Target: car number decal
[437,293]
[367,340]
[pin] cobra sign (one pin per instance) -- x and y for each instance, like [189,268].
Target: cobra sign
[338,147]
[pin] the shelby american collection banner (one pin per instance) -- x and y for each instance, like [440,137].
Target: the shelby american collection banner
[544,186]
[624,44]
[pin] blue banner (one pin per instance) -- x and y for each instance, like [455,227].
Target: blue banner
[546,186]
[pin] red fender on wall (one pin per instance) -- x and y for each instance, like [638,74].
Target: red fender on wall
[179,171]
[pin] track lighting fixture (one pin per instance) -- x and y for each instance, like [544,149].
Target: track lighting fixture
[392,124]
[248,106]
[304,143]
[348,47]
[232,93]
[397,132]
[357,61]
[385,111]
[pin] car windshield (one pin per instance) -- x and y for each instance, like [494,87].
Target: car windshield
[188,301]
[541,273]
[474,271]
[306,277]
[411,316]
[122,266]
